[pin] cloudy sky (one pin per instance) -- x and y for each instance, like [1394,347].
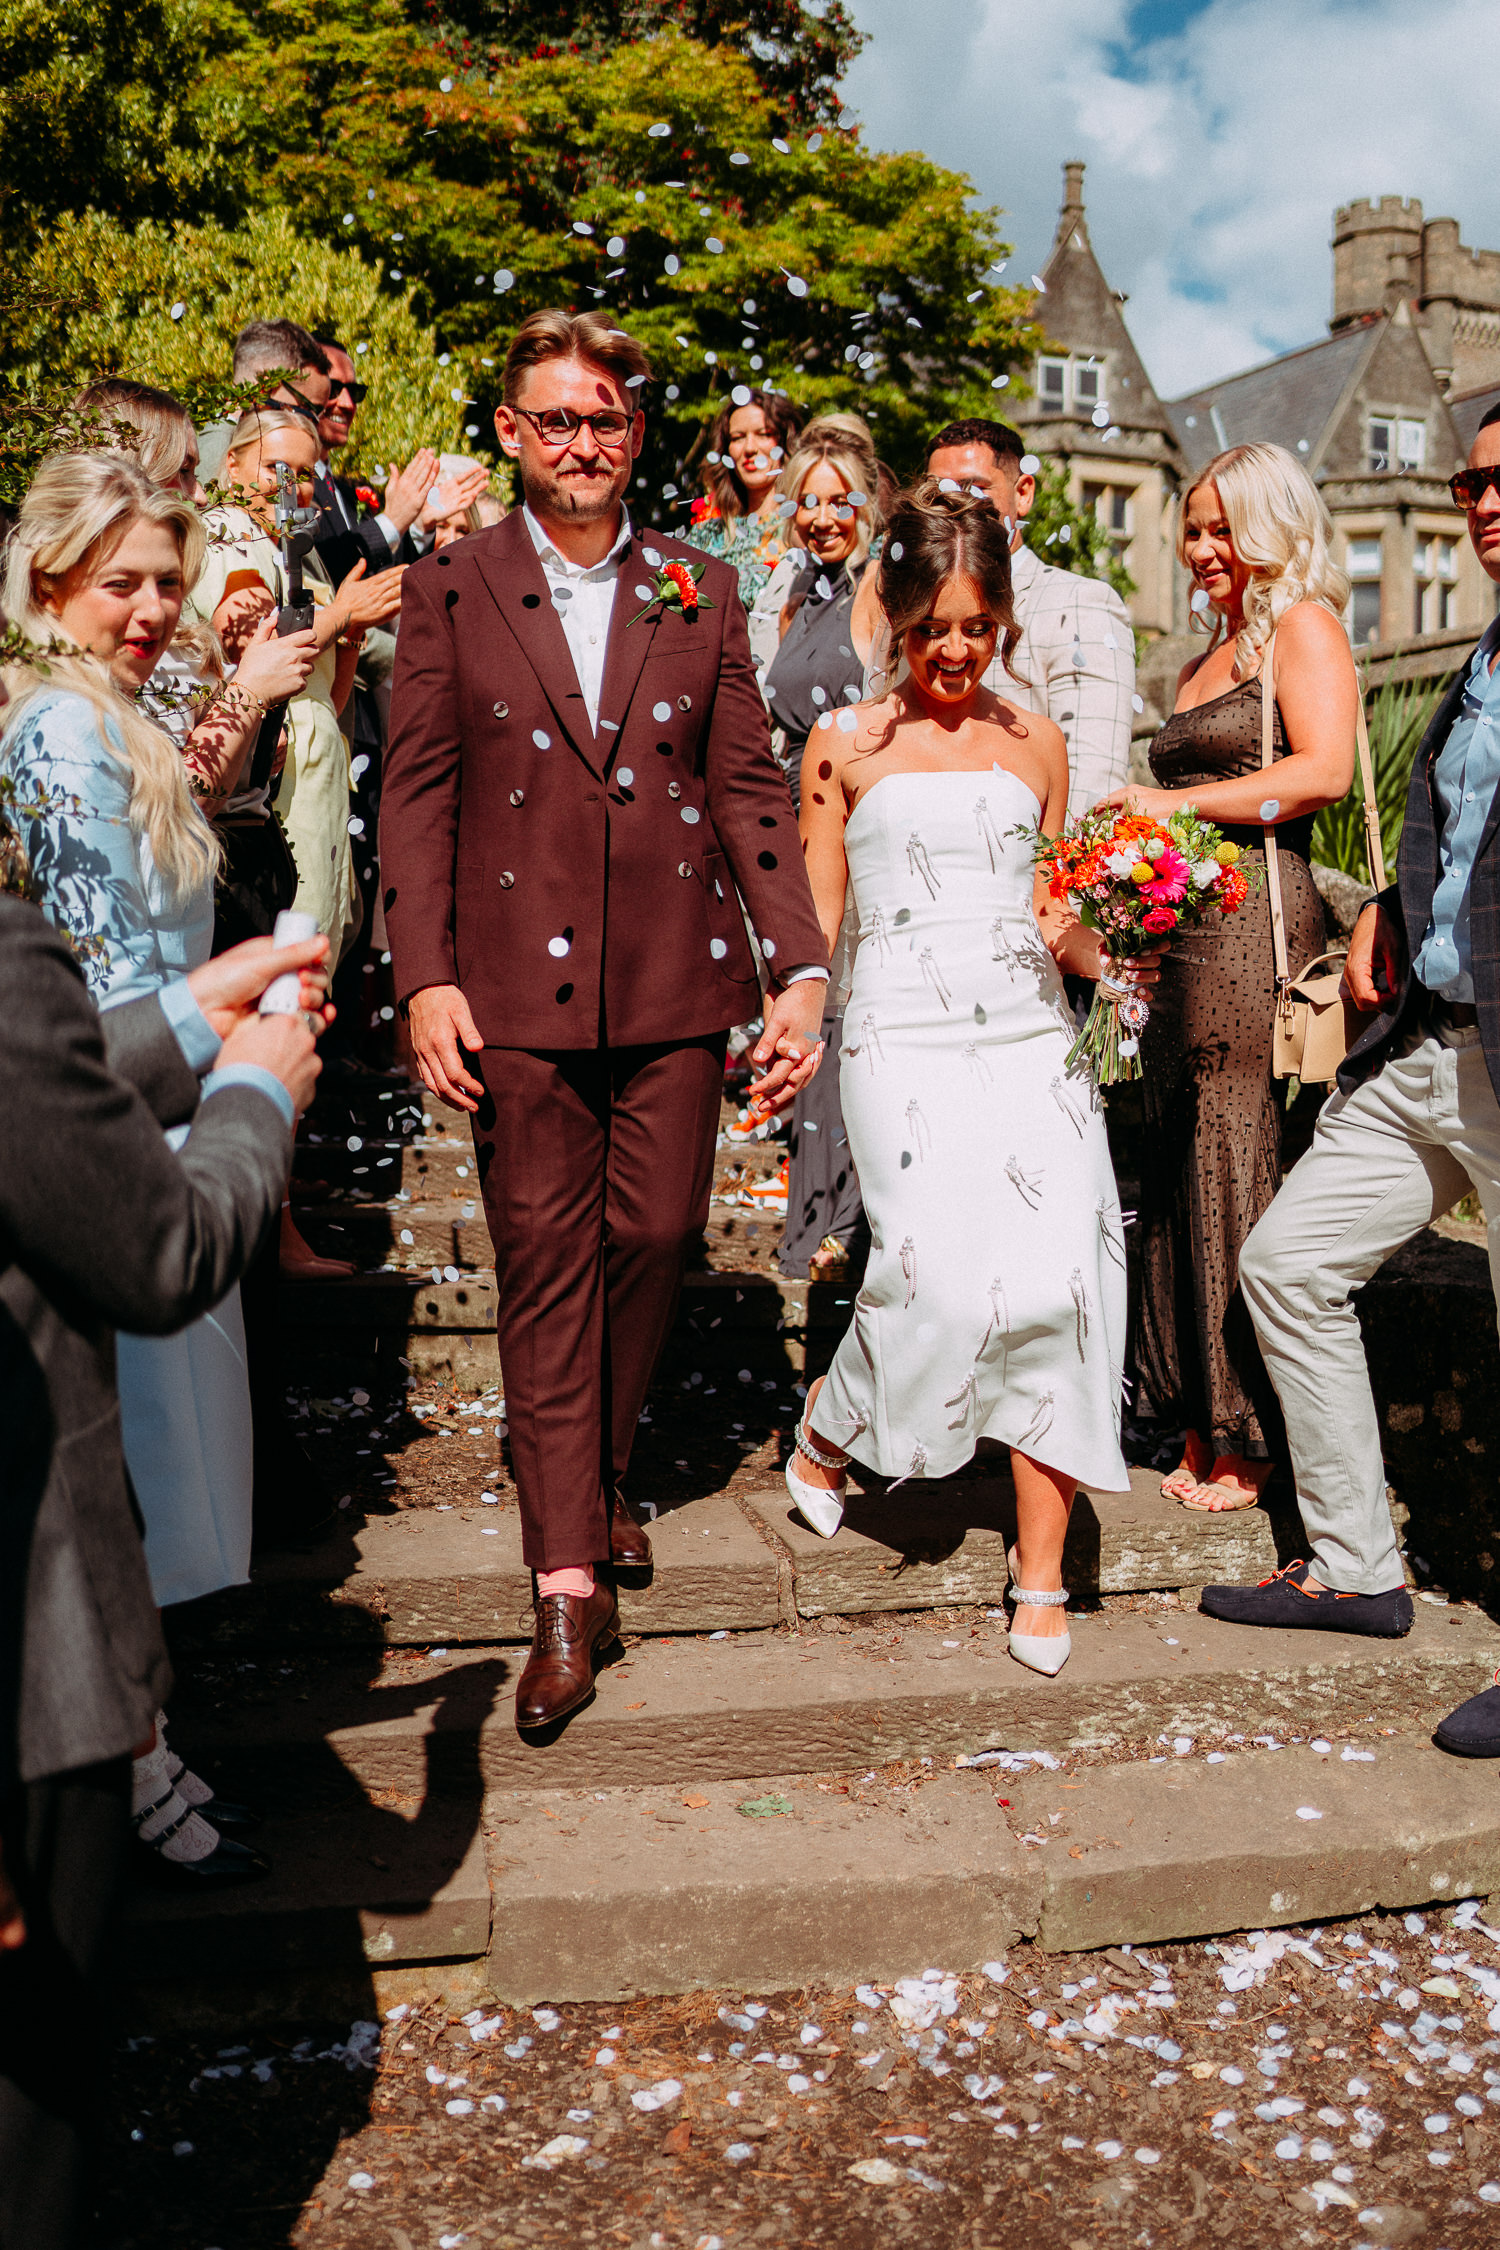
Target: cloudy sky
[1219,135]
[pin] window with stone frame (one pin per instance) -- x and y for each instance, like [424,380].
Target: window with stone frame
[1364,564]
[1397,442]
[1434,582]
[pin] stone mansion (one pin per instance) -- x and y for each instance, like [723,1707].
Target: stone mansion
[1382,410]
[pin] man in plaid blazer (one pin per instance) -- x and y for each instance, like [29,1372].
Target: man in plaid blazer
[1413,1126]
[1076,654]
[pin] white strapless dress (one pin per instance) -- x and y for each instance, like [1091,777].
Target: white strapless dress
[994,1301]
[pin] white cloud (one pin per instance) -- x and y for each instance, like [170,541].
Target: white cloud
[1216,156]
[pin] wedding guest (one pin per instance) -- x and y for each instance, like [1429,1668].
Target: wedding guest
[1075,659]
[123,860]
[1413,1126]
[819,665]
[214,721]
[263,348]
[241,586]
[101,1224]
[1256,537]
[740,520]
[994,1302]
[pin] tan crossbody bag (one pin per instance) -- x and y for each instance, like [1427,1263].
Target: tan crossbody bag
[1314,1026]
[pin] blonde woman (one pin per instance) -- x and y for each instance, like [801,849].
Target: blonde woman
[99,565]
[241,586]
[1255,536]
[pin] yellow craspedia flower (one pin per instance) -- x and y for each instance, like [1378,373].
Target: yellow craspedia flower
[1143,872]
[1227,854]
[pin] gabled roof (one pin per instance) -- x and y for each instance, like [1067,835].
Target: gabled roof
[1288,401]
[1079,312]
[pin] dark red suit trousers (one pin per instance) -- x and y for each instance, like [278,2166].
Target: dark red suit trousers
[596,1169]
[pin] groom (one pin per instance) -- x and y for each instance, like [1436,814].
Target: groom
[579,782]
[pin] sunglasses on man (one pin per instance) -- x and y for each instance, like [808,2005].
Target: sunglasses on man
[559,425]
[356,393]
[1470,485]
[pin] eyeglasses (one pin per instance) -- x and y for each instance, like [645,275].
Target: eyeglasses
[559,425]
[1470,485]
[356,393]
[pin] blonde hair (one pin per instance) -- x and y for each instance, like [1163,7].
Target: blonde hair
[257,423]
[79,508]
[162,423]
[843,454]
[1281,530]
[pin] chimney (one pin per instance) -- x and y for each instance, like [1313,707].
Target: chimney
[1398,281]
[1071,222]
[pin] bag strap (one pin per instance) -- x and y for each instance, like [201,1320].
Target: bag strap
[1374,855]
[1273,859]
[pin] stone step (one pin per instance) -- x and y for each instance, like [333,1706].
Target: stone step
[427,1576]
[694,1711]
[609,1893]
[353,1884]
[452,1231]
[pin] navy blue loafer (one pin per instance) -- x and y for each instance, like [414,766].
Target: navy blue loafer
[1473,1730]
[1286,1599]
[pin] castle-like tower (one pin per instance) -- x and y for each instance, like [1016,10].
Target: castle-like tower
[1386,253]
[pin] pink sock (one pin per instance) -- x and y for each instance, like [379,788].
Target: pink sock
[579,1581]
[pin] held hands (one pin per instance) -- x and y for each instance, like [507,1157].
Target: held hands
[1373,969]
[440,1027]
[282,1045]
[228,988]
[275,670]
[789,1050]
[1141,972]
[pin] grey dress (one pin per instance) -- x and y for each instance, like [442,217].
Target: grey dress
[811,675]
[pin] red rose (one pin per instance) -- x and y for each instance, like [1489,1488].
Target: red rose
[1159,921]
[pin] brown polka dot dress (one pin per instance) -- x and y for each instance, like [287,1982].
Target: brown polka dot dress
[1213,1113]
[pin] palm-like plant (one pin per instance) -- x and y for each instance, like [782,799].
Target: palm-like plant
[1398,716]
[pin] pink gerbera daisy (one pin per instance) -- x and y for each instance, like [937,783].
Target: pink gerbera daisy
[1171,880]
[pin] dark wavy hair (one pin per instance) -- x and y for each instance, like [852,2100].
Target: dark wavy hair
[932,536]
[720,480]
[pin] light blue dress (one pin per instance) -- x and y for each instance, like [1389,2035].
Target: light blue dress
[184,1399]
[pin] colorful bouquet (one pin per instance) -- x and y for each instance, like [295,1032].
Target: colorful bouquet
[1140,882]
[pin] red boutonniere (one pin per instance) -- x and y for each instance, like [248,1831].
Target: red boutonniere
[368,497]
[676,587]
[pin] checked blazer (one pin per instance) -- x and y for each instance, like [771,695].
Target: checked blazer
[1408,903]
[579,886]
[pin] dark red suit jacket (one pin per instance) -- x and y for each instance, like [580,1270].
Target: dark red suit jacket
[580,888]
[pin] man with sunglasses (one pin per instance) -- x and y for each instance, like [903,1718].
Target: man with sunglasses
[1412,1127]
[579,791]
[407,518]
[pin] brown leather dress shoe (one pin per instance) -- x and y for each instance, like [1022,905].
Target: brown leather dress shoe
[559,1674]
[628,1543]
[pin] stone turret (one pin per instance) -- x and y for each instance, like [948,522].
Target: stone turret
[1366,237]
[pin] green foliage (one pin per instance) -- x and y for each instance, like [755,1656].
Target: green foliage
[799,55]
[117,289]
[1398,715]
[1070,537]
[497,197]
[93,109]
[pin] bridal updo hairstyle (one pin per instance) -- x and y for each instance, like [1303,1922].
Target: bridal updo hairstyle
[933,535]
[1281,530]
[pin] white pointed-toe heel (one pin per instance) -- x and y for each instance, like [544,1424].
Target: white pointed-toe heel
[1040,1652]
[822,1511]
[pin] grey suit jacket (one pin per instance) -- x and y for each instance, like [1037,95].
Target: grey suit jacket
[101,1227]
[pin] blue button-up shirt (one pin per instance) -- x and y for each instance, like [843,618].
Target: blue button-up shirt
[1464,779]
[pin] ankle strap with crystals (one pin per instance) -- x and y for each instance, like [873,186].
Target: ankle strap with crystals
[805,1444]
[1038,1601]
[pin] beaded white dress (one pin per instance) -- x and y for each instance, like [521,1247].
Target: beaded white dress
[994,1301]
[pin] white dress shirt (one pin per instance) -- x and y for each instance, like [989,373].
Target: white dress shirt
[584,598]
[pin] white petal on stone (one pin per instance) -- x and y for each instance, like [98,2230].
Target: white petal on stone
[361,2180]
[1351,1756]
[460,2108]
[1308,1812]
[559,946]
[542,739]
[1109,2150]
[877,2171]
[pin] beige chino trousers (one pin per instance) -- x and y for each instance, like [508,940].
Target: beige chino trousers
[1385,1161]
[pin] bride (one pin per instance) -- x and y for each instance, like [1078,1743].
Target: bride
[994,1301]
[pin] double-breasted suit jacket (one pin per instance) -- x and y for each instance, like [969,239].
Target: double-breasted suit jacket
[579,884]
